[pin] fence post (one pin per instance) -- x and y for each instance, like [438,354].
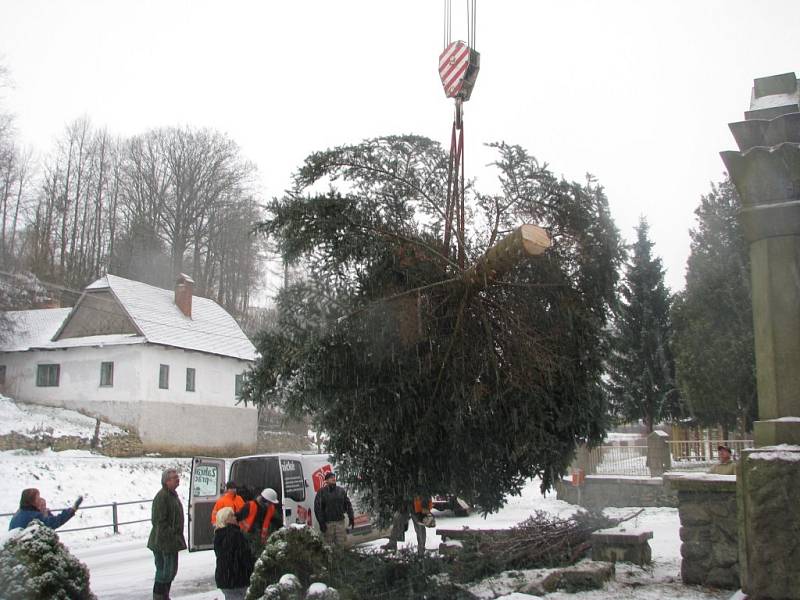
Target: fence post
[584,460]
[658,458]
[114,517]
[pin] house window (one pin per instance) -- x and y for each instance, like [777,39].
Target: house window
[2,374]
[238,385]
[106,374]
[163,377]
[48,375]
[189,379]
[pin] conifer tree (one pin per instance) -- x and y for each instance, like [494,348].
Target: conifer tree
[713,316]
[641,367]
[423,382]
[35,564]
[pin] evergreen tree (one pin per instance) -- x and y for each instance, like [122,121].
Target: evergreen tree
[714,349]
[34,564]
[641,367]
[425,383]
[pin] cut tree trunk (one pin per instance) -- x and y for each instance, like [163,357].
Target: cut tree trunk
[524,242]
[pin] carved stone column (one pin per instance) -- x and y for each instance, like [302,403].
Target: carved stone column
[766,172]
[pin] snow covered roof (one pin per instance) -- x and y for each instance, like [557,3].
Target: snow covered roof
[154,312]
[32,328]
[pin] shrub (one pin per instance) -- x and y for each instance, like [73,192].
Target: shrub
[35,565]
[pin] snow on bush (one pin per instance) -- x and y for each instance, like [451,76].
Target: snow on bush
[298,550]
[35,565]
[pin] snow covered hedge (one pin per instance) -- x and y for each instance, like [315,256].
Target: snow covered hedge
[296,549]
[35,565]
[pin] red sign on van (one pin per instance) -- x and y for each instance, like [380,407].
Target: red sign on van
[318,477]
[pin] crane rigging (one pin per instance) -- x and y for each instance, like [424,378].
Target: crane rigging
[459,64]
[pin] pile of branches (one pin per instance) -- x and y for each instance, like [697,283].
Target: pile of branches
[541,541]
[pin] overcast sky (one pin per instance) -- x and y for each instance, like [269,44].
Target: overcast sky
[638,93]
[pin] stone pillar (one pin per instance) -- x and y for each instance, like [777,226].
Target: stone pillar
[766,173]
[707,508]
[658,455]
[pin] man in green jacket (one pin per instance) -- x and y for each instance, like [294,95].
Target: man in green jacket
[166,538]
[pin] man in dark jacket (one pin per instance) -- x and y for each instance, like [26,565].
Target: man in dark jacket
[166,538]
[330,506]
[32,506]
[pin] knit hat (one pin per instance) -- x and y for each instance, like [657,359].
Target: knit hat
[329,475]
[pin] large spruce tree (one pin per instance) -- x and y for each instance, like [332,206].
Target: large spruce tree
[425,383]
[641,368]
[713,319]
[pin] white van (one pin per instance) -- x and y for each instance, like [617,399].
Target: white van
[295,477]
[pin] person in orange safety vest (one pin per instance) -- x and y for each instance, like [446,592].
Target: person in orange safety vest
[421,517]
[259,519]
[229,498]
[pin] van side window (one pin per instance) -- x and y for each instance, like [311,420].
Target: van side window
[294,486]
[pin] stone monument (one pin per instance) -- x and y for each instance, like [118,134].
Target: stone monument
[766,173]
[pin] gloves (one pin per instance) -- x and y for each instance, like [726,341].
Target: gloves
[349,524]
[77,503]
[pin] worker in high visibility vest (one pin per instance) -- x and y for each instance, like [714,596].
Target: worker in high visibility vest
[259,518]
[419,511]
[229,498]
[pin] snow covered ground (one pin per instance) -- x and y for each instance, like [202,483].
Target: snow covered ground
[121,566]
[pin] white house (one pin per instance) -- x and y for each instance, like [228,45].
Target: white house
[168,363]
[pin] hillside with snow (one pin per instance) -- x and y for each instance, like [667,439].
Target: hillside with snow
[121,567]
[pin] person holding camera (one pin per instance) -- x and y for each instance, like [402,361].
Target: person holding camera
[33,506]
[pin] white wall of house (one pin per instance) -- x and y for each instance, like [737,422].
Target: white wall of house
[171,419]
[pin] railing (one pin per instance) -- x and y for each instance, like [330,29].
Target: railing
[703,451]
[115,522]
[618,460]
[632,460]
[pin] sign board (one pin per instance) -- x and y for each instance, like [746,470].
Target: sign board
[204,481]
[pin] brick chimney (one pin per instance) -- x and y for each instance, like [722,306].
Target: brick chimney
[184,285]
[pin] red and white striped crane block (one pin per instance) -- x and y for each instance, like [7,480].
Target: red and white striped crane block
[458,69]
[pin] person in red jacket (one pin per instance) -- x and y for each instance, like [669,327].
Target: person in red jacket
[229,498]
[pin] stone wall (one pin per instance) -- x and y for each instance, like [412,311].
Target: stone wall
[601,491]
[277,441]
[120,445]
[709,548]
[769,521]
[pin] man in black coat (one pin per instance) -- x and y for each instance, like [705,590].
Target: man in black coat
[330,507]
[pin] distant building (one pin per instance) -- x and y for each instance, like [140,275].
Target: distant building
[168,363]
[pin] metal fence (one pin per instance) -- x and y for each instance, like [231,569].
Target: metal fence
[632,460]
[618,460]
[700,452]
[115,522]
